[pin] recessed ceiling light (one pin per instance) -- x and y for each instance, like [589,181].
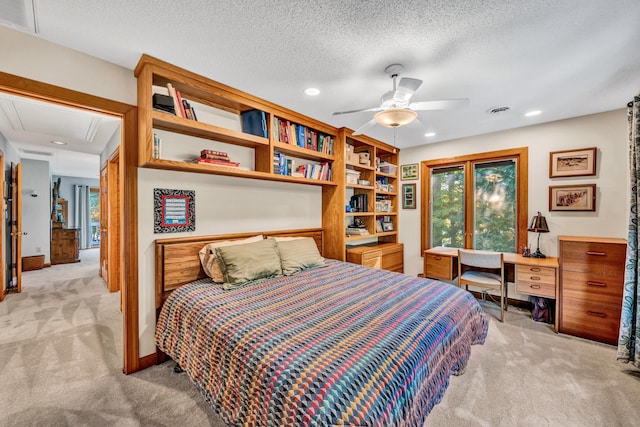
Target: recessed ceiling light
[312,91]
[430,134]
[533,113]
[58,142]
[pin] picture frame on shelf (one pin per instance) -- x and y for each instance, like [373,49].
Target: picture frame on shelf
[387,226]
[577,197]
[410,172]
[408,196]
[578,162]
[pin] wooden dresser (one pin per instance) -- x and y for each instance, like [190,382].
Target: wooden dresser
[387,256]
[64,245]
[591,286]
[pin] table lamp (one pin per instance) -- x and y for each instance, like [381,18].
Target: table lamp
[538,225]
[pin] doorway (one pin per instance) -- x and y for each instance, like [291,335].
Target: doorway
[20,86]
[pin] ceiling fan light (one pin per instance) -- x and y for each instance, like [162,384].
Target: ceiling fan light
[395,117]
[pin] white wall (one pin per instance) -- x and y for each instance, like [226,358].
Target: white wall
[36,218]
[606,131]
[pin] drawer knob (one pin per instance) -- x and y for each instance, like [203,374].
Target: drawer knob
[596,253]
[596,313]
[534,286]
[602,285]
[535,269]
[438,258]
[534,278]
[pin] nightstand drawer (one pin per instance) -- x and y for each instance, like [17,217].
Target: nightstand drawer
[440,267]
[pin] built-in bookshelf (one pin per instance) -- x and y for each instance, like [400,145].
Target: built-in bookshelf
[367,178]
[223,131]
[180,108]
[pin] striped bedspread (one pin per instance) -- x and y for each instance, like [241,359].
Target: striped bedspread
[339,345]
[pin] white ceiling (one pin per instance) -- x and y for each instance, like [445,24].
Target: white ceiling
[566,58]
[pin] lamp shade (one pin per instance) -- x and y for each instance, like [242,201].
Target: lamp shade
[395,117]
[538,224]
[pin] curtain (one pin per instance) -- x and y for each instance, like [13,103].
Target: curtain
[628,343]
[82,214]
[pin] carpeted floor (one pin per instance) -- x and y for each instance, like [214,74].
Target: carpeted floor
[61,361]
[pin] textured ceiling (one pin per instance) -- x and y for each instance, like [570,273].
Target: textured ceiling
[566,58]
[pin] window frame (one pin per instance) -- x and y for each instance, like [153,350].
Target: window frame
[467,161]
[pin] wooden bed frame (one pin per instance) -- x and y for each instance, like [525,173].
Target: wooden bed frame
[178,263]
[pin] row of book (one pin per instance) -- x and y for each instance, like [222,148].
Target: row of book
[283,165]
[174,103]
[301,136]
[216,158]
[157,153]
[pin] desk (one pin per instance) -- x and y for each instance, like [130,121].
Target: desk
[532,276]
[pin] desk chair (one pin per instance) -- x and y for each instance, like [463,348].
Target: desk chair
[483,269]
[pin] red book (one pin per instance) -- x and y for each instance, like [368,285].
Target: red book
[214,157]
[217,162]
[213,152]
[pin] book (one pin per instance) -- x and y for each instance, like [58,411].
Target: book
[156,154]
[172,94]
[213,152]
[217,162]
[214,157]
[254,122]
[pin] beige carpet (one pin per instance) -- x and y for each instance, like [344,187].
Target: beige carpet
[61,361]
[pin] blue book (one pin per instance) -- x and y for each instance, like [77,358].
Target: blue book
[254,122]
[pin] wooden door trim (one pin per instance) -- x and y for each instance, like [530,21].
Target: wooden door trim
[3,225]
[129,185]
[114,223]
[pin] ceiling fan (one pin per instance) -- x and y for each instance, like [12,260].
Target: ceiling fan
[395,108]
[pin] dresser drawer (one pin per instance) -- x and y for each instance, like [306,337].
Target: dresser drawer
[370,257]
[536,288]
[590,320]
[594,287]
[440,267]
[593,257]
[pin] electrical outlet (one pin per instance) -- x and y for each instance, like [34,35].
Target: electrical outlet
[38,249]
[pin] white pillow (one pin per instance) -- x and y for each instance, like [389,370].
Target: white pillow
[209,260]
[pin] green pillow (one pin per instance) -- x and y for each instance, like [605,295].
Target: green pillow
[299,254]
[241,264]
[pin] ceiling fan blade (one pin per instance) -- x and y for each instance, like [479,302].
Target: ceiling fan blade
[356,111]
[409,85]
[364,127]
[443,104]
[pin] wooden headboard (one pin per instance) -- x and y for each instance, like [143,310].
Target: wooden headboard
[177,260]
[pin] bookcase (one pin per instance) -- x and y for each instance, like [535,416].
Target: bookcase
[221,130]
[216,122]
[366,171]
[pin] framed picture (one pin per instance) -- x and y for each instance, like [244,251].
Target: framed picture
[581,162]
[580,197]
[408,196]
[174,210]
[387,226]
[410,172]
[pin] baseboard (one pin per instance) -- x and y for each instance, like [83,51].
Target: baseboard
[46,265]
[147,361]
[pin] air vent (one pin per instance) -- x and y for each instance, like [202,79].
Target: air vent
[37,153]
[19,14]
[498,110]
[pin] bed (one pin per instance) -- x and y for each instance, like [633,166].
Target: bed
[340,344]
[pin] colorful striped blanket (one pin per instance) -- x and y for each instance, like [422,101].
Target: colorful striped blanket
[339,345]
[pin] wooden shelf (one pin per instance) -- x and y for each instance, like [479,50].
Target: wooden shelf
[231,171]
[386,213]
[388,175]
[388,193]
[303,153]
[359,213]
[359,166]
[169,122]
[362,187]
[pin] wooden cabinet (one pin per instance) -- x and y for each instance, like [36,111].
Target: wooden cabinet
[387,256]
[591,287]
[439,266]
[64,245]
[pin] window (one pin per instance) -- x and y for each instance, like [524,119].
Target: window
[477,201]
